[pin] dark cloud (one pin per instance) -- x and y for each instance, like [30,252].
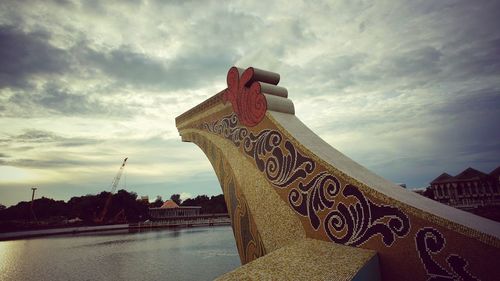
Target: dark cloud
[412,68]
[77,142]
[37,136]
[127,66]
[487,152]
[42,137]
[467,22]
[59,99]
[56,99]
[26,54]
[42,140]
[485,100]
[362,27]
[468,129]
[464,34]
[423,61]
[44,164]
[329,73]
[132,68]
[476,59]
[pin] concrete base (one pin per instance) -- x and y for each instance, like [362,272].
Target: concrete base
[311,259]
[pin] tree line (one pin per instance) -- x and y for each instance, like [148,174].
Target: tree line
[84,210]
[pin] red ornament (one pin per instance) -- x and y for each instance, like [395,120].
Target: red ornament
[244,93]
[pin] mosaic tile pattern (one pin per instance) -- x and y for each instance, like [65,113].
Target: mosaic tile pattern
[430,242]
[412,243]
[286,167]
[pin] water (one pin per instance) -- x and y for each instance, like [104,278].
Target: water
[199,253]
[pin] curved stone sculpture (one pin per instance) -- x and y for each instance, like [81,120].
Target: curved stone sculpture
[283,184]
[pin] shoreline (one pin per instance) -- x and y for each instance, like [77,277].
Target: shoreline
[17,235]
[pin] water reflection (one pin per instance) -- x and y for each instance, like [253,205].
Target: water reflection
[182,254]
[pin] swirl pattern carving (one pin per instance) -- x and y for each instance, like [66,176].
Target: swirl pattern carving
[414,239]
[430,241]
[355,223]
[316,195]
[313,192]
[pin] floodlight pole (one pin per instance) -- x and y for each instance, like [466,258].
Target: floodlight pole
[32,198]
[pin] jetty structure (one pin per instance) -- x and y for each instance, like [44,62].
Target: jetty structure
[170,209]
[301,210]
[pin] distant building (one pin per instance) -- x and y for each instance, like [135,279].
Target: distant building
[170,211]
[467,190]
[421,191]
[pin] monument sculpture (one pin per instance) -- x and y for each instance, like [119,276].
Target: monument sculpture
[300,209]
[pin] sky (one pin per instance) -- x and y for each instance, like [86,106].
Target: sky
[408,89]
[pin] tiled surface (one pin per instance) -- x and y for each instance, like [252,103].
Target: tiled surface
[306,259]
[289,192]
[277,223]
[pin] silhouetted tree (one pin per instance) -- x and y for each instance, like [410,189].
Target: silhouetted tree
[429,193]
[176,198]
[20,211]
[214,204]
[51,212]
[87,207]
[46,208]
[218,204]
[127,201]
[157,203]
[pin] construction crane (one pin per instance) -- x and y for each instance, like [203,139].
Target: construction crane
[114,184]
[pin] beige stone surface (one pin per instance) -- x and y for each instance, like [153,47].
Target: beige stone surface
[278,225]
[203,114]
[307,259]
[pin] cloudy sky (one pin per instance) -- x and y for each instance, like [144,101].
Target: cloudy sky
[408,89]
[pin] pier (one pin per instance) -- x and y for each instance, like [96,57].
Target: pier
[193,221]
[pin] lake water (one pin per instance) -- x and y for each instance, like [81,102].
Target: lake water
[199,253]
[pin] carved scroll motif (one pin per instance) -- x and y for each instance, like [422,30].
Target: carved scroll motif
[352,224]
[313,190]
[430,241]
[245,91]
[331,205]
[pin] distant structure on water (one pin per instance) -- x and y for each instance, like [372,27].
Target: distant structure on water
[467,190]
[170,210]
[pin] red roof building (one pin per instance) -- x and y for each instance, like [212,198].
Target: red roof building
[169,204]
[171,211]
